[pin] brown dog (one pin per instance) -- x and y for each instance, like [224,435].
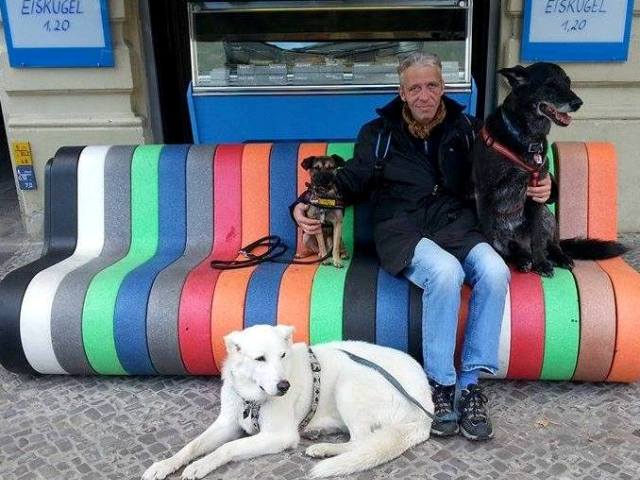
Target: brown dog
[325,204]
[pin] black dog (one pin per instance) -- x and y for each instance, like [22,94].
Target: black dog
[325,204]
[509,155]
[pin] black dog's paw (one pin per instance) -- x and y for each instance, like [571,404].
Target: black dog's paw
[544,269]
[524,265]
[563,261]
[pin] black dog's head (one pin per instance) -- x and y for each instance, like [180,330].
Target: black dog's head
[540,94]
[322,170]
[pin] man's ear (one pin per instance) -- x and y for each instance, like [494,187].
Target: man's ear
[287,333]
[339,160]
[307,163]
[516,76]
[232,342]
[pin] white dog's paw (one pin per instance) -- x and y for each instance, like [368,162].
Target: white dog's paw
[325,468]
[196,470]
[160,470]
[325,450]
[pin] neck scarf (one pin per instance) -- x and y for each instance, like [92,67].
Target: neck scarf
[419,130]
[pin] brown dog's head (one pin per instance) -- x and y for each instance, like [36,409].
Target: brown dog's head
[322,163]
[322,170]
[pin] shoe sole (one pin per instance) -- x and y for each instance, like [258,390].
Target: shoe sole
[441,433]
[475,438]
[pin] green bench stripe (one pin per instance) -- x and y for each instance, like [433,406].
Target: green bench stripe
[562,326]
[99,304]
[327,292]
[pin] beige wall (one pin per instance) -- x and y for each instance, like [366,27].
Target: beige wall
[611,111]
[54,107]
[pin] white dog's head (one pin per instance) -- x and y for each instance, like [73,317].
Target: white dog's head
[258,361]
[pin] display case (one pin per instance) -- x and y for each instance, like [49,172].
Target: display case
[304,49]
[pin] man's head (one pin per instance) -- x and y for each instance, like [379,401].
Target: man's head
[421,85]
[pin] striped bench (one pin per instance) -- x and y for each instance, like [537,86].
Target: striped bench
[124,284]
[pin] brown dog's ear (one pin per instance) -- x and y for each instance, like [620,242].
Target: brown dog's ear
[516,76]
[339,160]
[307,163]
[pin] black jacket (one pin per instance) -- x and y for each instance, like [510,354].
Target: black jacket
[425,187]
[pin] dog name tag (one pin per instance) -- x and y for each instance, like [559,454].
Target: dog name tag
[538,159]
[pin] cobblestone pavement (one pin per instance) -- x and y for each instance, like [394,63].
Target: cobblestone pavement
[58,427]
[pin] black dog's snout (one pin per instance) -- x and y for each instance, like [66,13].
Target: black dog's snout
[576,104]
[283,386]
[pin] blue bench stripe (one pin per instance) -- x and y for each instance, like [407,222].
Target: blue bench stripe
[261,303]
[392,311]
[131,304]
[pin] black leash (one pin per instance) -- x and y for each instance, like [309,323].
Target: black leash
[275,249]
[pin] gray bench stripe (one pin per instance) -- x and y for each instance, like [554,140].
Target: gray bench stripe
[164,299]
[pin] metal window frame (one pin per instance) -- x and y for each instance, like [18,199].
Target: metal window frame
[326,5]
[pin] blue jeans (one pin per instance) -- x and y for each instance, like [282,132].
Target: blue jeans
[441,276]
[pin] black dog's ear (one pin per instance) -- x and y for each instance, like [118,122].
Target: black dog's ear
[339,160]
[307,163]
[516,76]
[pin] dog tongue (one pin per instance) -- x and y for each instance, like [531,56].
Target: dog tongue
[563,118]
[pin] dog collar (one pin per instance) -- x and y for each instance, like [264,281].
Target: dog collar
[330,203]
[252,408]
[534,147]
[491,142]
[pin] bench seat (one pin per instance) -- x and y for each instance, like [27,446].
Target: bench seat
[124,284]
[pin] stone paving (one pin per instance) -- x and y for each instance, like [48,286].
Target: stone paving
[59,427]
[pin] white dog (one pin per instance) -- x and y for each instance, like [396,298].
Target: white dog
[270,392]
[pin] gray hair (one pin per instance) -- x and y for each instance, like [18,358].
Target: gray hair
[420,59]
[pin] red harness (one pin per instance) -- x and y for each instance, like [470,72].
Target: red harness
[515,159]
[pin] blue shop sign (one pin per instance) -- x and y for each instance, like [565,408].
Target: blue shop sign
[576,30]
[57,33]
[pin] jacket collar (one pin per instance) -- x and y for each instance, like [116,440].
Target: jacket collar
[391,113]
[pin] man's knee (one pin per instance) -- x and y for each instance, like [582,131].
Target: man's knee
[446,272]
[493,270]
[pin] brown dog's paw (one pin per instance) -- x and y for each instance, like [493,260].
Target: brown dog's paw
[337,264]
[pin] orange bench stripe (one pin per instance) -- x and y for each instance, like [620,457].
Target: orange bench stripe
[573,186]
[227,310]
[294,297]
[603,191]
[626,286]
[463,314]
[597,322]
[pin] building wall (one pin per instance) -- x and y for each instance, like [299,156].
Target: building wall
[611,110]
[53,107]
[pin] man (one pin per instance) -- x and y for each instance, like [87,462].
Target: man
[425,228]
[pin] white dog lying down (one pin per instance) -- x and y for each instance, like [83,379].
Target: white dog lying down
[268,392]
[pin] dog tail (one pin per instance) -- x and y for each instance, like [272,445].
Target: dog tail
[592,249]
[380,447]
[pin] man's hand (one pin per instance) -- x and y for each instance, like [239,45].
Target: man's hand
[310,226]
[542,192]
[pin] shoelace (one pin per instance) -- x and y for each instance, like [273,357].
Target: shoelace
[473,404]
[442,400]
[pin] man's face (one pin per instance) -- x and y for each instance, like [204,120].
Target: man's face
[422,88]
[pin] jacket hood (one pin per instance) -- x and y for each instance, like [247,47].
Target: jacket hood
[392,111]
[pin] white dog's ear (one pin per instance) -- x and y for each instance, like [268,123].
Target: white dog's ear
[287,333]
[231,340]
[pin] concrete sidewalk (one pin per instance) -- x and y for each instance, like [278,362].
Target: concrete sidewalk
[59,427]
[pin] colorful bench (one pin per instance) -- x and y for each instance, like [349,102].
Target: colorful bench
[124,284]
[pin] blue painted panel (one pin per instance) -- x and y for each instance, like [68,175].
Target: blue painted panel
[239,118]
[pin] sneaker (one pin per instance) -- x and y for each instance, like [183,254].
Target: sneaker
[474,418]
[445,419]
